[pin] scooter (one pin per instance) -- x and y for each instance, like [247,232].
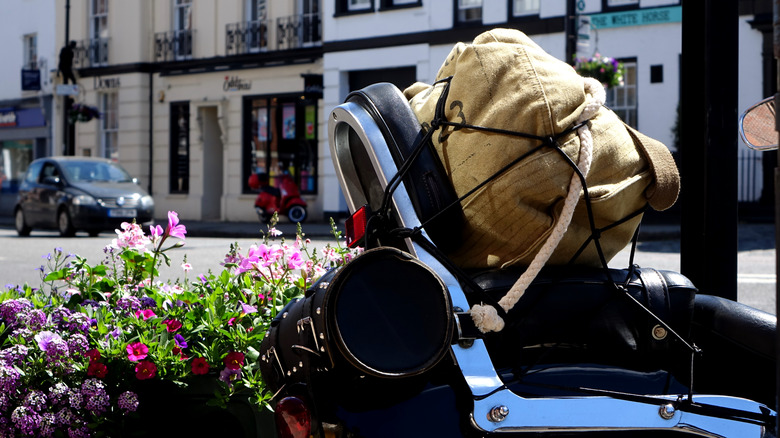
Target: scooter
[284,199]
[385,346]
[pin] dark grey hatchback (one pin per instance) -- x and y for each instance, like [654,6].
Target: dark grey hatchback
[79,193]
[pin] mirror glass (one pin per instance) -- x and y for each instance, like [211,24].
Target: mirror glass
[757,125]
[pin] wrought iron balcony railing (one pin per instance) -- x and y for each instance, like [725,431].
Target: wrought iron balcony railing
[91,53]
[173,45]
[247,37]
[290,32]
[297,31]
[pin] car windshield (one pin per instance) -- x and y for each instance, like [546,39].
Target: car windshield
[83,171]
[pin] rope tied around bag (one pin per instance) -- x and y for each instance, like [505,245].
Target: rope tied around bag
[486,317]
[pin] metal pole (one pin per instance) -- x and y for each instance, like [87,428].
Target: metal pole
[571,31]
[708,242]
[68,132]
[776,40]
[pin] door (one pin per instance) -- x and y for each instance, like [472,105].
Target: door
[213,152]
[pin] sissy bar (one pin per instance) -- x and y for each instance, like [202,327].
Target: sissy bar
[364,165]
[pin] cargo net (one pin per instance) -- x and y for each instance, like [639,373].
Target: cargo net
[490,317]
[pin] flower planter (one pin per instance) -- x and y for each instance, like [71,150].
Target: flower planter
[168,410]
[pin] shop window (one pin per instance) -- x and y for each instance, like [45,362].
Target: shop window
[15,159]
[179,170]
[524,8]
[622,99]
[469,11]
[31,51]
[109,125]
[280,136]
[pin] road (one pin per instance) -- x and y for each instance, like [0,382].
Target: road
[21,258]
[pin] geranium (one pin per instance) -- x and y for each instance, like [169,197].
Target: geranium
[606,70]
[76,349]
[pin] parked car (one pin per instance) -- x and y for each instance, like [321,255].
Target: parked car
[79,193]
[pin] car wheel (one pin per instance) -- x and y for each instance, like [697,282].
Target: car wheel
[296,213]
[64,224]
[22,228]
[93,233]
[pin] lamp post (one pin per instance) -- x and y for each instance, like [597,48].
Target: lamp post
[68,133]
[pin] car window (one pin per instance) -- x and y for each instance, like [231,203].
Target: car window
[85,171]
[49,169]
[33,172]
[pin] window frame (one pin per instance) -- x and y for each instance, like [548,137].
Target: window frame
[343,7]
[459,21]
[109,124]
[625,110]
[514,14]
[30,42]
[385,5]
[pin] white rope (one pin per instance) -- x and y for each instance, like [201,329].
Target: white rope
[485,316]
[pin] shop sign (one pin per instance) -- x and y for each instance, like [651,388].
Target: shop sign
[236,84]
[67,89]
[637,17]
[31,80]
[7,118]
[99,83]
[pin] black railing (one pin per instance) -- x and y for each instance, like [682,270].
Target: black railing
[298,31]
[91,53]
[246,37]
[173,45]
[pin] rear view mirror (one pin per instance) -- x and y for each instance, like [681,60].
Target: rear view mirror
[757,125]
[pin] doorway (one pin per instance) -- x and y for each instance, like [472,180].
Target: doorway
[213,156]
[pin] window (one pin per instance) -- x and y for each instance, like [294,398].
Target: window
[469,11]
[525,7]
[280,136]
[622,100]
[180,148]
[109,126]
[98,33]
[182,25]
[256,34]
[359,5]
[31,51]
[388,4]
[15,158]
[614,3]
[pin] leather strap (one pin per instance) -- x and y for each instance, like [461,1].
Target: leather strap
[657,299]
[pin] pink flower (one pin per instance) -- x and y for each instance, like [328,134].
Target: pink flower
[187,267]
[93,355]
[200,366]
[295,261]
[274,232]
[145,314]
[172,325]
[234,360]
[174,229]
[145,370]
[231,321]
[155,231]
[137,351]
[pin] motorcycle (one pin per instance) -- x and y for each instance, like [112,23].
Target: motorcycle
[284,199]
[385,347]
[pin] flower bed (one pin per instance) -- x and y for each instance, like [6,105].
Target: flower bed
[97,347]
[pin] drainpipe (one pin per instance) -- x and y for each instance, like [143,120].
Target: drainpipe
[151,130]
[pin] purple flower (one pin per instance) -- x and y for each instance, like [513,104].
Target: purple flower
[229,376]
[77,343]
[78,322]
[11,308]
[55,347]
[60,315]
[129,303]
[95,395]
[128,401]
[247,309]
[35,319]
[9,379]
[148,302]
[35,400]
[180,342]
[58,392]
[26,420]
[14,355]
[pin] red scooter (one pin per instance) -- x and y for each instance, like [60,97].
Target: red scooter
[285,199]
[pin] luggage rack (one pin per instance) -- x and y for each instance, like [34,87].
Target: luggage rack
[496,408]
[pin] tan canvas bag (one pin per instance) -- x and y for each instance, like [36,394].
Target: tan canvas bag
[504,80]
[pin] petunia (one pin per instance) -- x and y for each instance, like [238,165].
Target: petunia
[234,360]
[172,325]
[145,370]
[180,342]
[137,351]
[246,309]
[174,229]
[97,369]
[200,366]
[145,314]
[93,355]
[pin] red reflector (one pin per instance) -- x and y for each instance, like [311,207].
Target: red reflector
[292,418]
[356,226]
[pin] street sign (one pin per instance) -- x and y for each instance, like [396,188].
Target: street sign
[68,89]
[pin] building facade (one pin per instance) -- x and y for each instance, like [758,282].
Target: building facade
[196,95]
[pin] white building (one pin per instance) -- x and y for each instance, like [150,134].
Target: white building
[198,94]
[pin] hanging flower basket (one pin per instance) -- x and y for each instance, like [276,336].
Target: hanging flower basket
[80,112]
[606,70]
